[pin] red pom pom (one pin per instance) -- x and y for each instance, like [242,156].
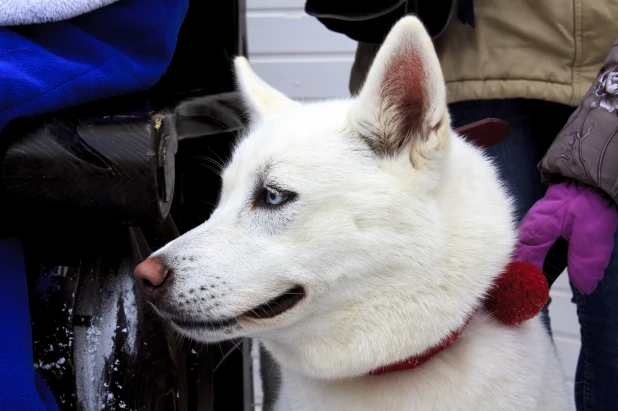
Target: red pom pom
[518,294]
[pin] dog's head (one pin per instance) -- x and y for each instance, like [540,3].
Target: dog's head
[349,234]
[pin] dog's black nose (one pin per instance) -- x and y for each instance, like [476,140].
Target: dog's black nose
[153,277]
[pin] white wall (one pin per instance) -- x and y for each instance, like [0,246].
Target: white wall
[564,324]
[295,53]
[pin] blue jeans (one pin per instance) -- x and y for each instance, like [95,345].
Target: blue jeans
[533,126]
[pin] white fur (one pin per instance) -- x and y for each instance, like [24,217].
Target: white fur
[396,233]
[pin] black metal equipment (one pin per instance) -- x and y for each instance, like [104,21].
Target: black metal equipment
[92,191]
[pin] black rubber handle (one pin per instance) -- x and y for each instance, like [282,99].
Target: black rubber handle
[119,168]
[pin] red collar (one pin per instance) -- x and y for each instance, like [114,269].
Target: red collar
[417,360]
[516,296]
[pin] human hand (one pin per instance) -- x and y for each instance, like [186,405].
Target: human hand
[585,218]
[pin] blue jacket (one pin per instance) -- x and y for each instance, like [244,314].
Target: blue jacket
[118,49]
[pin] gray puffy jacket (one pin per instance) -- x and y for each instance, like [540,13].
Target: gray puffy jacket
[586,149]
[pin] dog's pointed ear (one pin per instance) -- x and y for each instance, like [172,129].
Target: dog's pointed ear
[261,99]
[402,104]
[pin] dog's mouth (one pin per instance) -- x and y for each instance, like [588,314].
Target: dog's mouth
[277,305]
[269,309]
[209,325]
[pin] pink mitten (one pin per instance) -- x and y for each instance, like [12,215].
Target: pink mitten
[584,217]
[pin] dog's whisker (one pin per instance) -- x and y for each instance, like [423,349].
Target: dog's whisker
[227,354]
[222,162]
[214,170]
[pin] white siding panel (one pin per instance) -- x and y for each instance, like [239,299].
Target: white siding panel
[565,326]
[563,314]
[306,79]
[293,34]
[562,283]
[275,4]
[568,352]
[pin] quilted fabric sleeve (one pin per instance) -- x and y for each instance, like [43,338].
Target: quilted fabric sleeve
[586,149]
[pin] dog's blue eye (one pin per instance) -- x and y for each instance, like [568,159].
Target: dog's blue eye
[274,197]
[270,197]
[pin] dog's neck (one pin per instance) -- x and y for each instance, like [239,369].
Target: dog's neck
[418,360]
[354,362]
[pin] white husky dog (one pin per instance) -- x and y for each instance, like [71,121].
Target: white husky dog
[355,234]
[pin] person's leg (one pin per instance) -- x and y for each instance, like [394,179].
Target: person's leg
[596,379]
[533,126]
